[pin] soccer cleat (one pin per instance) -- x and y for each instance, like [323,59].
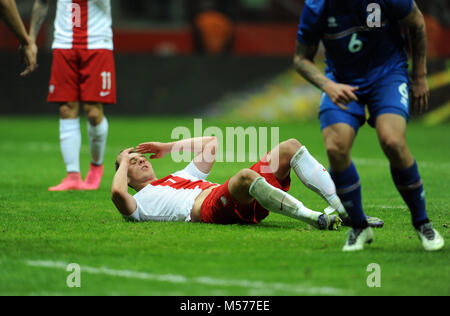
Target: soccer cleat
[430,238]
[71,182]
[373,222]
[93,178]
[328,222]
[357,238]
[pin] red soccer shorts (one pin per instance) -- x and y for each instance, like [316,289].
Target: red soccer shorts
[219,206]
[82,75]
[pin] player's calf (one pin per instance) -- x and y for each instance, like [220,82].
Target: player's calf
[70,142]
[280,202]
[97,133]
[316,177]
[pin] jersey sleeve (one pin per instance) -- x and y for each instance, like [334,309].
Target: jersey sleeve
[310,29]
[135,217]
[399,9]
[192,171]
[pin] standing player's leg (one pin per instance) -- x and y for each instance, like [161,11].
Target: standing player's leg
[64,90]
[70,141]
[391,130]
[98,87]
[97,134]
[339,140]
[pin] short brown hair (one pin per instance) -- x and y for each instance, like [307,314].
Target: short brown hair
[117,163]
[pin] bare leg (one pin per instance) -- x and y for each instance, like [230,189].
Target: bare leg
[339,140]
[391,130]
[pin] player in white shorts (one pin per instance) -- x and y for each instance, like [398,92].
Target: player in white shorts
[83,71]
[246,198]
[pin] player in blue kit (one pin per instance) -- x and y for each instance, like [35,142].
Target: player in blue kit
[367,64]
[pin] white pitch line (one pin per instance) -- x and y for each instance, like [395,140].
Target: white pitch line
[387,206]
[178,279]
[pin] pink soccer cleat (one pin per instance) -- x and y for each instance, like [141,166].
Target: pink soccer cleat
[73,181]
[93,178]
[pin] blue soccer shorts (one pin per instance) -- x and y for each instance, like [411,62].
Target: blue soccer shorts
[388,95]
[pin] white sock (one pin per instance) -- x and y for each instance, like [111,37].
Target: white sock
[70,141]
[97,141]
[316,177]
[280,202]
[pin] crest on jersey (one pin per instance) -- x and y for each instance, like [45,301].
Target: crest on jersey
[332,22]
[224,200]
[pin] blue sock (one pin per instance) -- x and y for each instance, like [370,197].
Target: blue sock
[348,188]
[410,186]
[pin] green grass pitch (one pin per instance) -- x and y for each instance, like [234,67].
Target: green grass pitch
[41,232]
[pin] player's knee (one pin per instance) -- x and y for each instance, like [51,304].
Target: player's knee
[94,113]
[246,177]
[288,149]
[69,110]
[292,146]
[337,150]
[393,145]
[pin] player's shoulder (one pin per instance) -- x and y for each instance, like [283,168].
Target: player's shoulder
[316,6]
[397,9]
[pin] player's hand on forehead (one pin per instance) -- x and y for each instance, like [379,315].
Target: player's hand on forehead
[125,154]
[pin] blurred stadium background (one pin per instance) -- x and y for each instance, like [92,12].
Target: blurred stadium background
[226,61]
[227,58]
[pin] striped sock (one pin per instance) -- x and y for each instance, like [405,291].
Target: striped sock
[409,184]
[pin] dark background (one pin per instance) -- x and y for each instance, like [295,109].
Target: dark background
[164,66]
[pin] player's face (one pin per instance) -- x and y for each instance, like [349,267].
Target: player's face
[139,169]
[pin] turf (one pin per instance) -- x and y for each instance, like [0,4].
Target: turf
[277,257]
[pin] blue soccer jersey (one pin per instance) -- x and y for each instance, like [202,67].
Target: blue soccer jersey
[356,54]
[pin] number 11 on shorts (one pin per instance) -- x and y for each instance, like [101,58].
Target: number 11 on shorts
[106,80]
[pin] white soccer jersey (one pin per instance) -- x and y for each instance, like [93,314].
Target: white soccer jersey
[84,24]
[172,198]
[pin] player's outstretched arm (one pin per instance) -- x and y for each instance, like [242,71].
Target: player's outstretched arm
[10,14]
[420,91]
[205,147]
[125,202]
[340,94]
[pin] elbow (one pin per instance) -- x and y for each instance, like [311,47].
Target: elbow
[116,194]
[213,138]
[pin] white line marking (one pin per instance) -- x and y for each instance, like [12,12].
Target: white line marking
[387,206]
[170,278]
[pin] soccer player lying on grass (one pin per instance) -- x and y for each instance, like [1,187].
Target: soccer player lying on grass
[246,198]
